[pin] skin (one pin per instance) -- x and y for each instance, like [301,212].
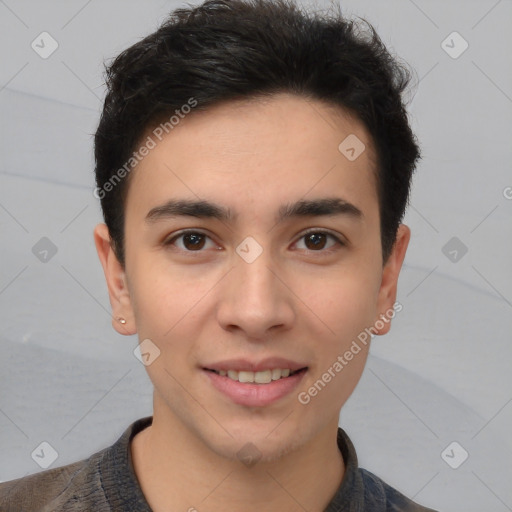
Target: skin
[297,300]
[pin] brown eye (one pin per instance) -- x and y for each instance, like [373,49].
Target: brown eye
[193,241]
[315,240]
[319,241]
[190,241]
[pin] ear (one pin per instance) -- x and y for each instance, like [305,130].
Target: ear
[389,282]
[116,282]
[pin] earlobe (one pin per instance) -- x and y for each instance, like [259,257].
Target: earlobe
[389,282]
[116,283]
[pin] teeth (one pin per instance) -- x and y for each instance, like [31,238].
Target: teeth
[246,376]
[263,377]
[276,374]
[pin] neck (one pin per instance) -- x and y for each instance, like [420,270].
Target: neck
[176,469]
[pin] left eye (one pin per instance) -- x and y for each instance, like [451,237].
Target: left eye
[317,240]
[191,241]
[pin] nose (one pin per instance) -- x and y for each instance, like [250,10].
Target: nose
[255,299]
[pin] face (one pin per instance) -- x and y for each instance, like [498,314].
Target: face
[253,245]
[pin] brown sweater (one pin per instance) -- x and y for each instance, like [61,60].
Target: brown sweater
[106,482]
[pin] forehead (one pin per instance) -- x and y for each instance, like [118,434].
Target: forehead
[253,153]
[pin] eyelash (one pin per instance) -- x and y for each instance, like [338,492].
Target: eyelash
[338,241]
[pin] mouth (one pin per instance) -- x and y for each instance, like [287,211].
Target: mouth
[260,377]
[270,382]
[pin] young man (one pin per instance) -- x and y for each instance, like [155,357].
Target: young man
[253,163]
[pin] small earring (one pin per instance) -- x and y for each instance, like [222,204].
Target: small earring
[121,320]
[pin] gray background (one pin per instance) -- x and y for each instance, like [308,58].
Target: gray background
[441,375]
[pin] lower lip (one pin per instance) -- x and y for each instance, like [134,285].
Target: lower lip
[255,395]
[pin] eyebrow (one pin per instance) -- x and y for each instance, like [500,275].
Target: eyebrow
[330,206]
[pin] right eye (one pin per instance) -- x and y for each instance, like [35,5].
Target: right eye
[189,241]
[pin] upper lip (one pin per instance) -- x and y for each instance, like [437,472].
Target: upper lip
[269,363]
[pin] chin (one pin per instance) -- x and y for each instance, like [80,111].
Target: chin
[258,443]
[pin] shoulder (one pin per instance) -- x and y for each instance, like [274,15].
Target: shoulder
[103,482]
[67,488]
[378,495]
[362,490]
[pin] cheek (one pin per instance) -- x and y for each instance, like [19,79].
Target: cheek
[342,304]
[346,309]
[153,307]
[171,309]
[163,298]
